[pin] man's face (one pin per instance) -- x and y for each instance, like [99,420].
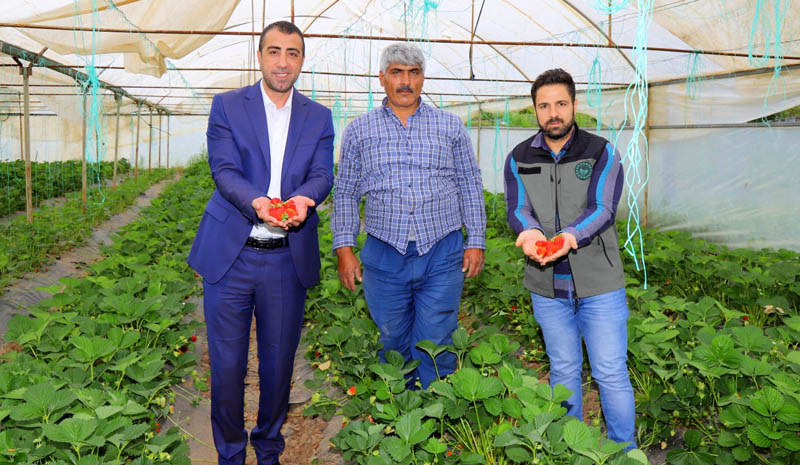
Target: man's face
[402,84]
[555,110]
[281,59]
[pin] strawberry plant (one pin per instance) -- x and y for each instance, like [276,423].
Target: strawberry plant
[25,247]
[92,382]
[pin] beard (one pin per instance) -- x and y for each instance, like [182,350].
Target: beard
[556,134]
[278,86]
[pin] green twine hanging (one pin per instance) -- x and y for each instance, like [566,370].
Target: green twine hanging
[693,78]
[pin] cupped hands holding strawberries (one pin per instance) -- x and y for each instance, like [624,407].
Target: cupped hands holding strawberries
[282,211]
[283,214]
[536,246]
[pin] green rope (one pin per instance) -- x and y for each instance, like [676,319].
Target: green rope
[693,74]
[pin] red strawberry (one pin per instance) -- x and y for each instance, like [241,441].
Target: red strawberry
[194,338]
[275,201]
[541,243]
[559,241]
[158,430]
[351,391]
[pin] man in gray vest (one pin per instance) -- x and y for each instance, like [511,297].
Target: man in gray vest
[565,181]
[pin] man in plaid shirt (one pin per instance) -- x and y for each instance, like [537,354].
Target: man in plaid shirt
[415,166]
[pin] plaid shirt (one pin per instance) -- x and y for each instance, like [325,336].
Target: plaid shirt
[422,178]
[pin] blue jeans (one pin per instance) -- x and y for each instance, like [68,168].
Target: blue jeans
[602,321]
[414,297]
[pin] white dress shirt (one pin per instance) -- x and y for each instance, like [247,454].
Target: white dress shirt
[278,124]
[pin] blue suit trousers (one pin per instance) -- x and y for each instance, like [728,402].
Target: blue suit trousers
[263,283]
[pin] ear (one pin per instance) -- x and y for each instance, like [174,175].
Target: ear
[381,78]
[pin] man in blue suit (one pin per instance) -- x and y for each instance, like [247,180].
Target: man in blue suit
[264,141]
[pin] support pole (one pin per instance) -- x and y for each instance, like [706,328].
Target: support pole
[159,139]
[21,127]
[168,118]
[646,156]
[478,149]
[136,161]
[150,144]
[26,74]
[83,157]
[116,144]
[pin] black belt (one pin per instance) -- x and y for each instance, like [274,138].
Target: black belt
[264,244]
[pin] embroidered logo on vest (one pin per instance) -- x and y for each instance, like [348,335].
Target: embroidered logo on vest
[583,170]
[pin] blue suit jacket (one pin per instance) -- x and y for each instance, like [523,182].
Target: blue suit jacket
[238,153]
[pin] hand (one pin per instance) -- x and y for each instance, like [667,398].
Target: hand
[349,267]
[527,240]
[261,205]
[473,262]
[569,243]
[302,204]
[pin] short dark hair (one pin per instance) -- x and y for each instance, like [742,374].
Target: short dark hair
[553,76]
[285,27]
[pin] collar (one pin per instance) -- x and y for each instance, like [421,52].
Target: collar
[269,103]
[389,111]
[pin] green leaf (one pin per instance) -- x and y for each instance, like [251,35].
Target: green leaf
[471,458]
[395,358]
[395,448]
[443,389]
[434,446]
[790,442]
[728,439]
[518,454]
[789,414]
[512,407]
[493,405]
[794,357]
[692,438]
[757,437]
[773,398]
[408,423]
[435,410]
[107,411]
[742,453]
[430,347]
[733,416]
[71,430]
[685,387]
[484,354]
[577,435]
[639,456]
[510,376]
[461,339]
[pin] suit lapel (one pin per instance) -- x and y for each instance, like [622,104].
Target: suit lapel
[254,109]
[296,120]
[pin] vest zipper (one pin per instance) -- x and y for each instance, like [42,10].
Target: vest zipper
[603,244]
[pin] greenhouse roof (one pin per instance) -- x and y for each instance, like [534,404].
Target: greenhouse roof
[479,52]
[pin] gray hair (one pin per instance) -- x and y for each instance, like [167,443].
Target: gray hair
[402,53]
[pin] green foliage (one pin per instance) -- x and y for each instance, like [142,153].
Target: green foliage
[25,247]
[98,357]
[525,118]
[49,179]
[713,352]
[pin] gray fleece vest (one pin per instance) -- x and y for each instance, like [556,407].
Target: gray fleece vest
[597,266]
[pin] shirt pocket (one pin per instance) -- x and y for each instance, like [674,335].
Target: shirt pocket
[433,151]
